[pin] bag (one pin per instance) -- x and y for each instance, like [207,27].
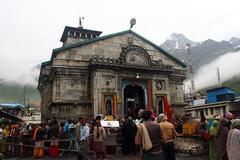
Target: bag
[54,151]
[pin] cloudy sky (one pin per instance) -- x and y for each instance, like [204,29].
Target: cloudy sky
[30,29]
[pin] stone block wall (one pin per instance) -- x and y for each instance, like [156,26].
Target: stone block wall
[111,48]
[78,90]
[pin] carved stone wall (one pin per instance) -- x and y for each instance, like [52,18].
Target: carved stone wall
[69,111]
[111,48]
[79,77]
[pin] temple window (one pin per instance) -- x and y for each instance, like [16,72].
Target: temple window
[71,33]
[88,36]
[83,35]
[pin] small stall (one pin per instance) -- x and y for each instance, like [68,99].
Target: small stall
[190,141]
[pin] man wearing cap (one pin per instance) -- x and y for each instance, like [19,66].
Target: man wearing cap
[150,137]
[229,117]
[170,133]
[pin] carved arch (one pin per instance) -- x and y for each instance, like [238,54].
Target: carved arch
[135,55]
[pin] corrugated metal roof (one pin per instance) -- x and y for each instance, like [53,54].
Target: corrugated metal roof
[12,105]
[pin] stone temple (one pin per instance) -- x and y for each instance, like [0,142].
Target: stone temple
[110,75]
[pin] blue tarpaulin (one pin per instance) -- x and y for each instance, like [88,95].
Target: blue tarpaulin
[11,105]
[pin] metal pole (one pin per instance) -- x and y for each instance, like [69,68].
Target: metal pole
[24,95]
[190,69]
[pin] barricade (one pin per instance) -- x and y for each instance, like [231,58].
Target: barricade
[71,146]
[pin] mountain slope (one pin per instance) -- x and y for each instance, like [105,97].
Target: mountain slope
[202,52]
[14,93]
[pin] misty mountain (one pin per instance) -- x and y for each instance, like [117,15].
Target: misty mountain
[202,52]
[14,93]
[177,42]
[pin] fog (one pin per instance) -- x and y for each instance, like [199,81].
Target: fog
[206,76]
[31,29]
[26,74]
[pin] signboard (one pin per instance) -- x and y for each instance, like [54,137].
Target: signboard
[110,123]
[34,119]
[199,102]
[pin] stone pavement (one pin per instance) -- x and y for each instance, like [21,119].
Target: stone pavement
[178,157]
[120,157]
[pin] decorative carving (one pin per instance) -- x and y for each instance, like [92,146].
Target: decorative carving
[134,55]
[104,60]
[132,59]
[160,84]
[108,82]
[136,59]
[130,40]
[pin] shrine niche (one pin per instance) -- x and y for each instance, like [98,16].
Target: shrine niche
[108,104]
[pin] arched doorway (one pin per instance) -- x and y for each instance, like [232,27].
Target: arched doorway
[160,105]
[134,99]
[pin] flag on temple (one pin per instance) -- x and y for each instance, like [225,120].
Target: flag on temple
[167,109]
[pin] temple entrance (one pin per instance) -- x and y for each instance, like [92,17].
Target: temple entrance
[160,105]
[134,99]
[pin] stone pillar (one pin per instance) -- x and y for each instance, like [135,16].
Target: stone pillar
[209,111]
[222,111]
[149,94]
[214,110]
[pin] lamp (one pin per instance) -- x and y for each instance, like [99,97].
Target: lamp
[137,76]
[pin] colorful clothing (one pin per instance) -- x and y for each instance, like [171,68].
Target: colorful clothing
[221,139]
[170,133]
[233,144]
[213,154]
[84,132]
[1,140]
[5,135]
[99,135]
[14,139]
[156,136]
[38,136]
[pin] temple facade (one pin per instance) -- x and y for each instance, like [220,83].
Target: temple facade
[110,75]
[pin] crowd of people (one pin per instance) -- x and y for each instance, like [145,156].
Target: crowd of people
[149,135]
[55,138]
[223,135]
